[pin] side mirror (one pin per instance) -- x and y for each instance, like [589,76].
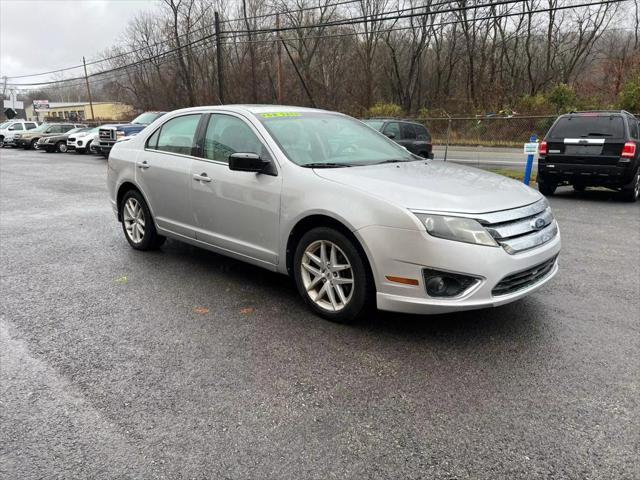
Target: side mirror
[390,135]
[250,162]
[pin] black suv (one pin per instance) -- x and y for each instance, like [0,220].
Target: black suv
[412,135]
[592,149]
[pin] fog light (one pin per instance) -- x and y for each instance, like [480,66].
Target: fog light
[445,284]
[79,142]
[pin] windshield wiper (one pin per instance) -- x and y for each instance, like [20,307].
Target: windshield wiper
[396,160]
[325,165]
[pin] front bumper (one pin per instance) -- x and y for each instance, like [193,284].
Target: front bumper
[406,253]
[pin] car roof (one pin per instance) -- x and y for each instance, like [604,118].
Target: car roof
[254,109]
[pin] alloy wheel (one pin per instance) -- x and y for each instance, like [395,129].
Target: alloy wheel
[327,275]
[62,147]
[134,221]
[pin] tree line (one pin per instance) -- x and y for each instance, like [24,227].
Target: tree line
[418,57]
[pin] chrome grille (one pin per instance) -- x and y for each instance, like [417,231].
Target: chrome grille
[106,134]
[522,228]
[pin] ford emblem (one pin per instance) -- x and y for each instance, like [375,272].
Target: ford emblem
[537,224]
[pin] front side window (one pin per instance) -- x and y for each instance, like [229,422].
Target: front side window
[178,135]
[392,130]
[226,135]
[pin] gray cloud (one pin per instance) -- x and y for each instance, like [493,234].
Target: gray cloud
[42,35]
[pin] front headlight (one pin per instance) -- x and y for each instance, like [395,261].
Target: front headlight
[456,228]
[119,134]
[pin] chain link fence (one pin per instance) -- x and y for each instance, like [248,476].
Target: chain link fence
[486,131]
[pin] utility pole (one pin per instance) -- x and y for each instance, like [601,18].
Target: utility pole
[219,59]
[300,77]
[86,78]
[279,59]
[4,86]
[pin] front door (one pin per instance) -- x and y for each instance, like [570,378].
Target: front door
[237,212]
[163,172]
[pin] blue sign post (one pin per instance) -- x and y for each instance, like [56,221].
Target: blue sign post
[529,150]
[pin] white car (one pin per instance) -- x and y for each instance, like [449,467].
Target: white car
[9,128]
[83,141]
[352,216]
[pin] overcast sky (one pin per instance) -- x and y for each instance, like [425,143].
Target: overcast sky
[42,35]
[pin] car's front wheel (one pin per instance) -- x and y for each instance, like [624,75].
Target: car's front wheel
[61,147]
[137,222]
[332,275]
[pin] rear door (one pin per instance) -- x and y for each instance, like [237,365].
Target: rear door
[587,139]
[163,172]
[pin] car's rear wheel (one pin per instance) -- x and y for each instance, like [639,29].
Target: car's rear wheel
[1,141]
[332,275]
[61,147]
[631,191]
[137,222]
[547,187]
[31,145]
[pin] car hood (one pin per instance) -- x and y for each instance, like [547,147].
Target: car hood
[436,186]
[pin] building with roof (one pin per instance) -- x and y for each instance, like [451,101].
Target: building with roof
[79,111]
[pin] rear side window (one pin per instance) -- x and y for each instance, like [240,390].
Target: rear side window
[422,133]
[408,132]
[178,134]
[633,128]
[30,126]
[588,126]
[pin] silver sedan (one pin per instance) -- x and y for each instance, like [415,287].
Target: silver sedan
[354,218]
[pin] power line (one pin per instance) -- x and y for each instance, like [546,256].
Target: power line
[162,42]
[349,21]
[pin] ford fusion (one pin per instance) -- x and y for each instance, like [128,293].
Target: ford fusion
[354,218]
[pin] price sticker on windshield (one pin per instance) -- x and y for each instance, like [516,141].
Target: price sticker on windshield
[280,114]
[530,148]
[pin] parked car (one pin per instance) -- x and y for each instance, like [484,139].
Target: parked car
[57,143]
[30,139]
[109,134]
[412,135]
[83,140]
[354,218]
[9,129]
[592,149]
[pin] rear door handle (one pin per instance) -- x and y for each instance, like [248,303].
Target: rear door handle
[143,165]
[203,177]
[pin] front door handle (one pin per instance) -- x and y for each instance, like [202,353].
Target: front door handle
[203,177]
[143,165]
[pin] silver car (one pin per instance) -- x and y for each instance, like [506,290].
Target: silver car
[354,218]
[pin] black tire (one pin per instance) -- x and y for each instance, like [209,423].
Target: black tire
[361,292]
[150,240]
[579,188]
[546,187]
[1,141]
[631,191]
[61,147]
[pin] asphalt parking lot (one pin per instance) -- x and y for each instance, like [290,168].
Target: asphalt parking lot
[184,364]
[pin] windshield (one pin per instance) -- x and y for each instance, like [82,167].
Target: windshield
[376,124]
[41,128]
[146,118]
[330,140]
[588,126]
[4,125]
